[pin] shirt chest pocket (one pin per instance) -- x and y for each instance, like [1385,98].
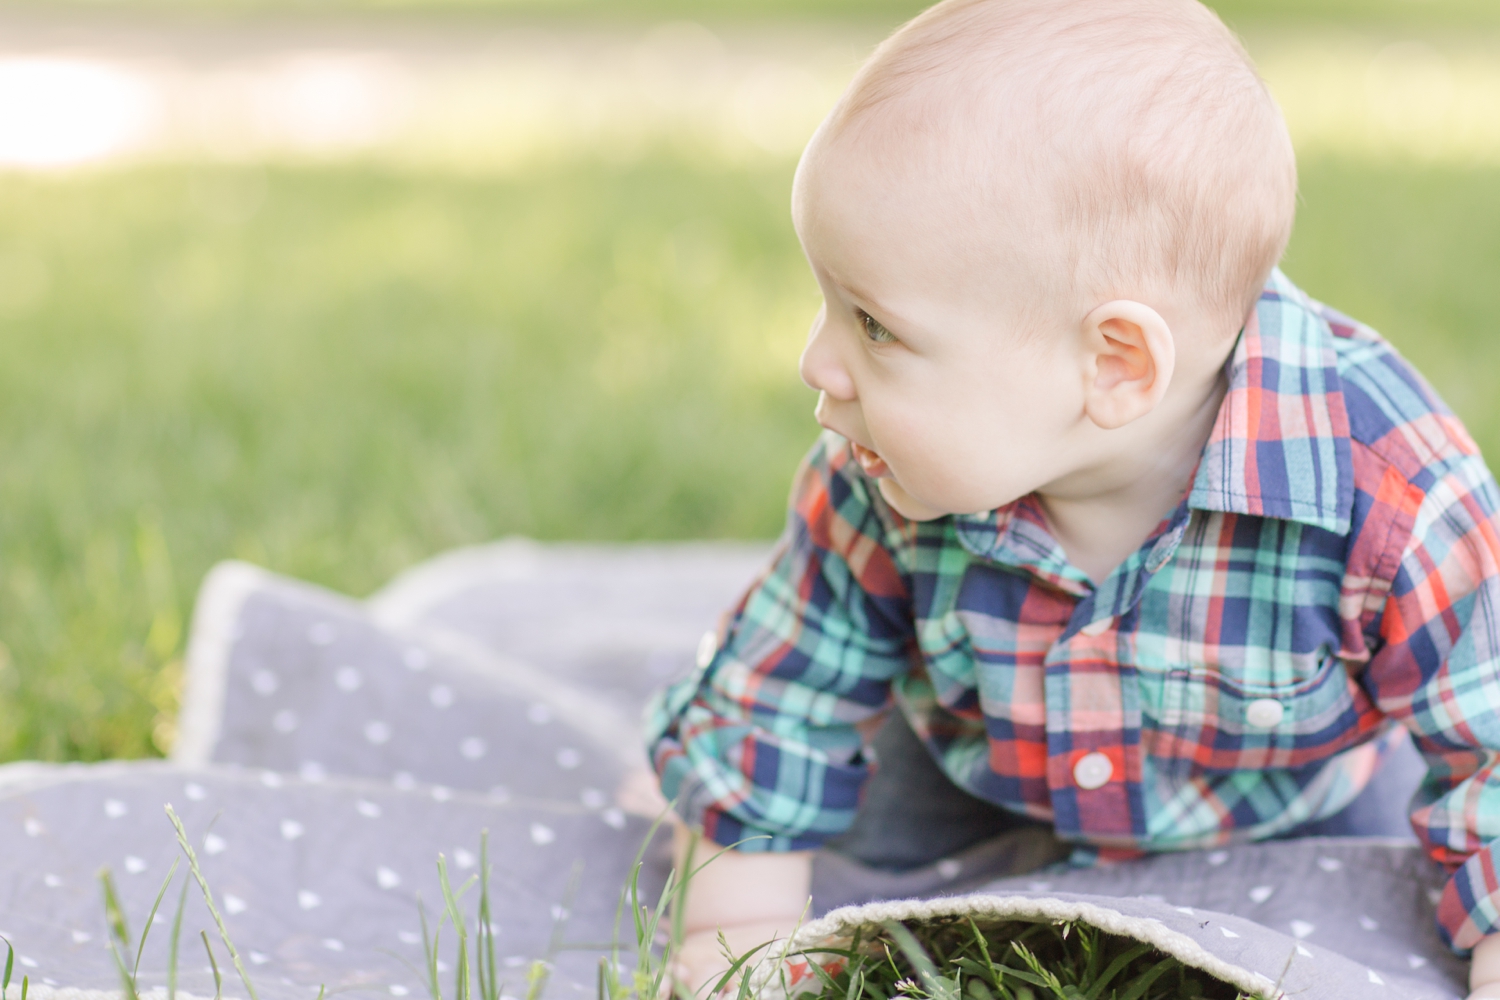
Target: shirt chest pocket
[1297,712]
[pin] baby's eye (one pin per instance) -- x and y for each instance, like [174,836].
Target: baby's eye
[874,329]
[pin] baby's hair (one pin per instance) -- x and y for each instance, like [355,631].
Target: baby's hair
[1159,152]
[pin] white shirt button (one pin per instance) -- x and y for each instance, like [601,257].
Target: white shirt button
[708,647]
[1097,628]
[1092,771]
[1265,713]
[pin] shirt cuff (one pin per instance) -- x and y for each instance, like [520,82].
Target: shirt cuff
[1469,908]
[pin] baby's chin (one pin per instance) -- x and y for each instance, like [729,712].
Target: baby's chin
[905,504]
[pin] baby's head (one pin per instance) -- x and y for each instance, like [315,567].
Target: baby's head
[1034,222]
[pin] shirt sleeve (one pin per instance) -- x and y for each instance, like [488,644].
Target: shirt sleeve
[1438,672]
[761,741]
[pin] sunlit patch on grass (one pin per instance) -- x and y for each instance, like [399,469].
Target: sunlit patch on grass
[732,96]
[57,112]
[1410,100]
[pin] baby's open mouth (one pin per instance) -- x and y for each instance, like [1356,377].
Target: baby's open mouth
[869,460]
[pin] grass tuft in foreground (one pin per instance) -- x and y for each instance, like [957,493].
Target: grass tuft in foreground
[955,959]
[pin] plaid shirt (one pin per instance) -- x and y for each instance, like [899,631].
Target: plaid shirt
[1334,570]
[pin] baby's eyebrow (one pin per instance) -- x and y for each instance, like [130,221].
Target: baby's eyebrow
[875,307]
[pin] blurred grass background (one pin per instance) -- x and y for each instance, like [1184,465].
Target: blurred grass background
[1420,13]
[337,370]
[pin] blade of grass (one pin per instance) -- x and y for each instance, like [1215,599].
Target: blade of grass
[1140,986]
[461,990]
[135,970]
[214,965]
[489,986]
[174,942]
[119,933]
[10,965]
[208,897]
[1114,969]
[114,913]
[430,950]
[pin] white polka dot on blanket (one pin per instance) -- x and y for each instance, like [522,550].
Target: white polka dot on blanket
[377,732]
[367,809]
[463,858]
[134,865]
[322,634]
[1301,928]
[415,658]
[441,696]
[568,759]
[264,683]
[308,900]
[291,829]
[386,879]
[1261,893]
[114,808]
[348,679]
[214,844]
[284,721]
[472,748]
[194,791]
[234,905]
[541,834]
[33,827]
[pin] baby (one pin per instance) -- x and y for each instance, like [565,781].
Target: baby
[1113,533]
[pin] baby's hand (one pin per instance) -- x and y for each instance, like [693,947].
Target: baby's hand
[751,898]
[1484,972]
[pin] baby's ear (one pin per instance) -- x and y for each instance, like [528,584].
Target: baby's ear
[1130,355]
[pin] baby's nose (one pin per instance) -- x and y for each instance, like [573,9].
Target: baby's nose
[820,367]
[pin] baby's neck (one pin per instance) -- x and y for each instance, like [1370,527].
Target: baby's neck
[1109,511]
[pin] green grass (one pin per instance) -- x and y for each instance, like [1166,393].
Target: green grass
[954,958]
[336,372]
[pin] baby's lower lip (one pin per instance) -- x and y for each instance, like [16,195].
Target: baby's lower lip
[870,461]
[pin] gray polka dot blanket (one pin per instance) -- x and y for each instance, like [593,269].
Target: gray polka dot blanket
[331,749]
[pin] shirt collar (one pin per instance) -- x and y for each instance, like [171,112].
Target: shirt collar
[1280,446]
